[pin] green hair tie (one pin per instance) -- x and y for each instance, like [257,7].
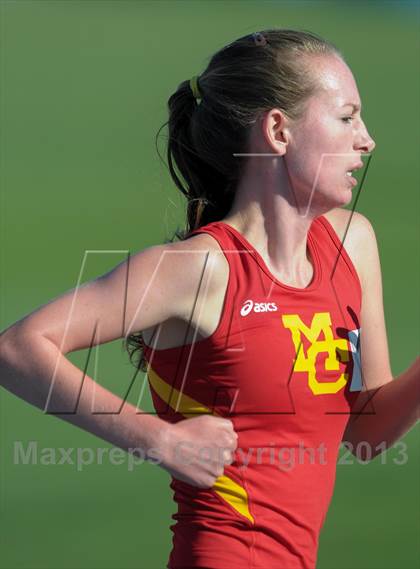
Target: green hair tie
[194,87]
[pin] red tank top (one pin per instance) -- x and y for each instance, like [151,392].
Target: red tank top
[283,365]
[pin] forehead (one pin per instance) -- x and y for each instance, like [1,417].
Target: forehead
[336,81]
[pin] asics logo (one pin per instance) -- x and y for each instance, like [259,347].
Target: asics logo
[250,305]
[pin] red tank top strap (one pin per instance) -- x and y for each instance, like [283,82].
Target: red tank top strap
[216,230]
[339,250]
[231,250]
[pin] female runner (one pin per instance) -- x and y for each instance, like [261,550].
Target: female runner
[263,337]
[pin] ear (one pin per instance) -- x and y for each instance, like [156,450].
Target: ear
[276,131]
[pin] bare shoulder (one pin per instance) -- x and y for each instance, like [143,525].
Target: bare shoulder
[189,253]
[200,262]
[356,233]
[198,249]
[199,270]
[357,223]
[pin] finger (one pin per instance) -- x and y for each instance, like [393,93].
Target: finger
[227,456]
[228,423]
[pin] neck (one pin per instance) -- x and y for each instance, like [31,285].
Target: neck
[275,227]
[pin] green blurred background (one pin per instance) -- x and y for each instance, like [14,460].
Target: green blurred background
[84,87]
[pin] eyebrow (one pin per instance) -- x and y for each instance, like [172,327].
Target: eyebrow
[355,106]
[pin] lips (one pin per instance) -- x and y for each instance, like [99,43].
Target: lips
[356,166]
[351,180]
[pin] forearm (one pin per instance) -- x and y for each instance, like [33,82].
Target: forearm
[28,373]
[385,414]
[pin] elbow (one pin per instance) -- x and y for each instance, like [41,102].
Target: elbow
[10,357]
[8,342]
[16,343]
[11,337]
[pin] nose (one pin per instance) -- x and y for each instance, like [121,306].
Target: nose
[365,142]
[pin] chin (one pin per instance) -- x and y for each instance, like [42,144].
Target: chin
[332,199]
[345,197]
[340,197]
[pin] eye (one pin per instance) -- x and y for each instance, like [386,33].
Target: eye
[345,119]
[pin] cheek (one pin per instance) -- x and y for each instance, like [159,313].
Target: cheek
[330,153]
[318,148]
[320,153]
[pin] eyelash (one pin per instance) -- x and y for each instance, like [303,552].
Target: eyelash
[345,119]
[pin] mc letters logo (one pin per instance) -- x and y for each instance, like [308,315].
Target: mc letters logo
[321,323]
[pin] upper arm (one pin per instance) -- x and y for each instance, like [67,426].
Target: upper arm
[375,363]
[361,244]
[376,368]
[144,290]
